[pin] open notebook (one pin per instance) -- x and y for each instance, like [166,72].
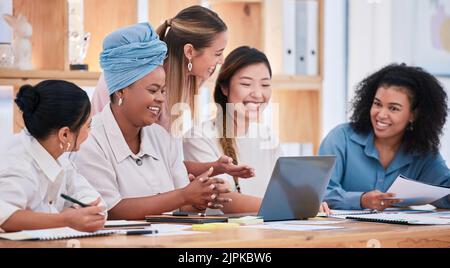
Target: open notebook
[401,218]
[53,234]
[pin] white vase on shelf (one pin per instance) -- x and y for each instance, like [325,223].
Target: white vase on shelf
[78,39]
[21,45]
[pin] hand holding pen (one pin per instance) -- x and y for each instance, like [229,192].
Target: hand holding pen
[87,217]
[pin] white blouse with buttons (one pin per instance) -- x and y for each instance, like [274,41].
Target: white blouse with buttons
[31,179]
[108,163]
[259,149]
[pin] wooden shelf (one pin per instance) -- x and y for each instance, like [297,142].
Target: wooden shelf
[19,77]
[293,82]
[213,2]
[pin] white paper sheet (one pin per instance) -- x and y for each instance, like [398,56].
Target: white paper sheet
[308,222]
[169,228]
[123,223]
[416,193]
[177,233]
[293,227]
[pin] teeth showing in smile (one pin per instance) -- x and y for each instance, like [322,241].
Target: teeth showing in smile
[382,125]
[154,109]
[252,105]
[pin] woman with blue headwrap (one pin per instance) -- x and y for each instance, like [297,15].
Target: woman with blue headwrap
[133,162]
[196,38]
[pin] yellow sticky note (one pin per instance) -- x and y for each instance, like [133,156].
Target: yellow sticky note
[213,226]
[248,220]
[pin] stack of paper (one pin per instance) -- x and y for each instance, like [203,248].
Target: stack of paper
[247,220]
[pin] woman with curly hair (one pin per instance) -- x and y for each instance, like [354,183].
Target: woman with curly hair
[398,116]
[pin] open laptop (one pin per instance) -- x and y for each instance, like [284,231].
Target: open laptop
[296,188]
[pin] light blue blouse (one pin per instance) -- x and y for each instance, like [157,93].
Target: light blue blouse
[358,168]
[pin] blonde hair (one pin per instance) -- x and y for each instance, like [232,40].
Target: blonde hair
[194,25]
[239,58]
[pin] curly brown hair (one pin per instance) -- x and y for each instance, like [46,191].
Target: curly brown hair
[428,102]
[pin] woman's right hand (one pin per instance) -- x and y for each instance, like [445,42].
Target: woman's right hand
[87,219]
[204,191]
[378,200]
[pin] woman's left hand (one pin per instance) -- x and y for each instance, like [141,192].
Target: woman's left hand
[225,165]
[324,208]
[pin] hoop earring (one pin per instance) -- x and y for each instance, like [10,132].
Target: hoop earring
[120,102]
[190,65]
[68,146]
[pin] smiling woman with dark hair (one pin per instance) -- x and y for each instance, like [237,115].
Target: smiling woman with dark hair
[35,167]
[398,116]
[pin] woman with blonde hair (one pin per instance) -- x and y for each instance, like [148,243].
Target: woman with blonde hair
[196,38]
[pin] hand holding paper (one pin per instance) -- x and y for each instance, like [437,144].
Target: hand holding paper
[415,193]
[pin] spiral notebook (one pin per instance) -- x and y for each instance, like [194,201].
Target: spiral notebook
[401,218]
[53,234]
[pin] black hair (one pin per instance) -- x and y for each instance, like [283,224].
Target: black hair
[51,105]
[239,58]
[428,101]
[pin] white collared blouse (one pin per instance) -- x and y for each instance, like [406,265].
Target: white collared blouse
[259,149]
[31,179]
[108,163]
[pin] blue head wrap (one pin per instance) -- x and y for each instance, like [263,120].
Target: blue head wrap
[129,54]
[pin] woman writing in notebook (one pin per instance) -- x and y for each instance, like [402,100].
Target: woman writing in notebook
[132,161]
[243,90]
[398,116]
[196,38]
[35,168]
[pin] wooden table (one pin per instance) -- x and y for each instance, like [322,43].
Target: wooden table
[355,234]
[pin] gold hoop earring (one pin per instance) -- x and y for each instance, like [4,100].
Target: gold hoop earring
[190,65]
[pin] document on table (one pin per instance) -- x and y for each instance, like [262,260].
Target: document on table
[400,218]
[123,223]
[416,193]
[173,229]
[291,227]
[306,222]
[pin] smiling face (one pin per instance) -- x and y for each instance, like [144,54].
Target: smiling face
[205,61]
[250,86]
[143,100]
[391,112]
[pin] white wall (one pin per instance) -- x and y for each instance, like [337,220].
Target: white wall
[445,145]
[378,36]
[5,30]
[334,91]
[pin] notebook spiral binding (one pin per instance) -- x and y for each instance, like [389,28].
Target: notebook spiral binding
[377,220]
[80,235]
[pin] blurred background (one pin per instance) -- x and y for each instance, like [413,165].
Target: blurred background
[319,50]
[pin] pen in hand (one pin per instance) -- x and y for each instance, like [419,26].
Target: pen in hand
[75,201]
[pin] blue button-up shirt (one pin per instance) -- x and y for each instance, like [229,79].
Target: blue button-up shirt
[358,168]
